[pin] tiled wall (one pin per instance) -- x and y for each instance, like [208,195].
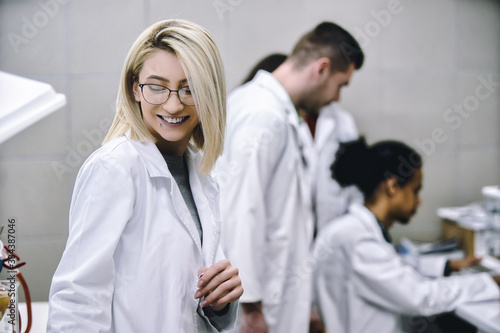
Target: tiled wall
[422,58]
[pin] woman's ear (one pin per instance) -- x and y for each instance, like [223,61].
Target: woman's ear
[136,89]
[392,186]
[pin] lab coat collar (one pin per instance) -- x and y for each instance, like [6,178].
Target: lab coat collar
[157,167]
[270,83]
[153,159]
[368,220]
[207,205]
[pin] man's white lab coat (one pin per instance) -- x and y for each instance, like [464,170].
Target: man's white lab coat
[266,204]
[362,285]
[133,252]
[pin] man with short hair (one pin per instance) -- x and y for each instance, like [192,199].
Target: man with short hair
[266,206]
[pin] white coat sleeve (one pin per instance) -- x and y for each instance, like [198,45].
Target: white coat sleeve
[82,287]
[432,266]
[253,150]
[380,277]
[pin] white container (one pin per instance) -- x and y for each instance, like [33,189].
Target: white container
[491,199]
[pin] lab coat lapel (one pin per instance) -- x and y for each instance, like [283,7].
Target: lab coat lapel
[157,167]
[304,182]
[153,160]
[205,195]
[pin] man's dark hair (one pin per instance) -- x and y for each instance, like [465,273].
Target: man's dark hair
[331,41]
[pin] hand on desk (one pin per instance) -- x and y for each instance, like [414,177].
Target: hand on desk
[459,264]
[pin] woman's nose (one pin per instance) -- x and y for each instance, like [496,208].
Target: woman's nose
[173,103]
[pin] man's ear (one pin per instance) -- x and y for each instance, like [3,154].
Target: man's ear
[322,68]
[136,89]
[392,186]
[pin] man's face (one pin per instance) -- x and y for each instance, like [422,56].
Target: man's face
[327,91]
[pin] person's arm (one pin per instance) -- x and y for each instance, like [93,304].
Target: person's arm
[432,266]
[252,318]
[82,287]
[440,266]
[458,264]
[382,278]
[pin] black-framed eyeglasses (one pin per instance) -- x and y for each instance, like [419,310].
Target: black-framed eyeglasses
[157,94]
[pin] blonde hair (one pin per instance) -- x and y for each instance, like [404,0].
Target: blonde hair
[202,64]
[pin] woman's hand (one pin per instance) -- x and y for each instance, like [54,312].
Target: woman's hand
[458,265]
[219,284]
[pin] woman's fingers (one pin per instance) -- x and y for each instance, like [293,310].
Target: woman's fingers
[226,292]
[201,272]
[206,274]
[216,280]
[220,284]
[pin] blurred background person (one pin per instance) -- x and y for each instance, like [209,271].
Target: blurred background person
[321,132]
[332,125]
[266,203]
[360,282]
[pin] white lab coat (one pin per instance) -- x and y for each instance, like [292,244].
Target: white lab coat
[334,125]
[362,285]
[266,204]
[133,251]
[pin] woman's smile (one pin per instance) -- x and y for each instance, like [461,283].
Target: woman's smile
[174,121]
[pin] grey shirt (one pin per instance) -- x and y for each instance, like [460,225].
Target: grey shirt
[178,168]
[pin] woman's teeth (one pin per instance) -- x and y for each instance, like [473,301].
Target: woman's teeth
[173,120]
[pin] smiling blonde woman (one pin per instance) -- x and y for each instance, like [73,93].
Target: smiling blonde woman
[143,249]
[209,84]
